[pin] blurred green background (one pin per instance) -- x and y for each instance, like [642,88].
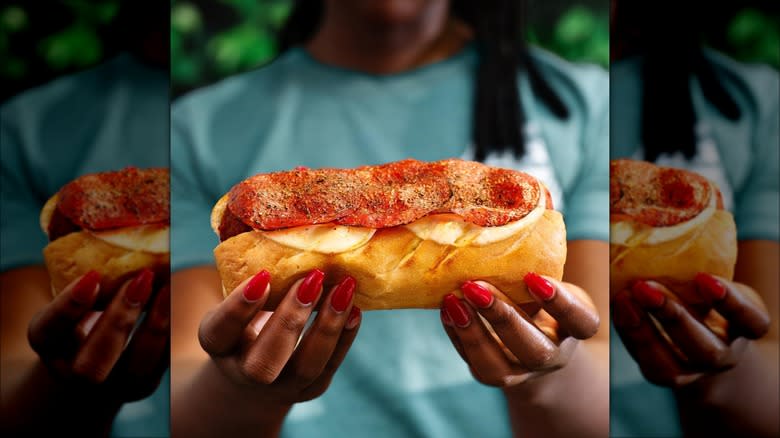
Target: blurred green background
[211,39]
[44,39]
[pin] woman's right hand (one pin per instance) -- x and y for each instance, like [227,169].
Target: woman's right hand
[94,353]
[264,355]
[698,350]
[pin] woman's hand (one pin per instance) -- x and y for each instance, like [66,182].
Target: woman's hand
[702,343]
[523,343]
[264,356]
[89,352]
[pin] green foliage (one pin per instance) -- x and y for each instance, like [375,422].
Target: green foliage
[76,46]
[12,20]
[754,37]
[580,35]
[200,56]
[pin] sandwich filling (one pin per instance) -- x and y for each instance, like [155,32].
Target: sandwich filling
[452,202]
[444,229]
[128,208]
[651,205]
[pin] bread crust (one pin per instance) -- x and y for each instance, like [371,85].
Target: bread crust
[75,254]
[396,269]
[711,247]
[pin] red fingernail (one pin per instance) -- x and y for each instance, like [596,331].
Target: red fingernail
[648,295]
[140,288]
[479,295]
[255,289]
[84,290]
[310,287]
[445,317]
[710,286]
[457,311]
[539,286]
[624,315]
[343,294]
[354,318]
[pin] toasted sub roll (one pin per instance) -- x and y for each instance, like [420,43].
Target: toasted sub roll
[667,225]
[710,247]
[115,223]
[412,265]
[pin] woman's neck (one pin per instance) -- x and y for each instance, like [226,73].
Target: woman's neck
[350,41]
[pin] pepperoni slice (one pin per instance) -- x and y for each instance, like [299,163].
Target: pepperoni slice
[116,199]
[381,196]
[230,225]
[488,196]
[398,193]
[59,225]
[656,196]
[298,197]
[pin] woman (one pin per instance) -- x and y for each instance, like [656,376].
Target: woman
[365,83]
[678,104]
[66,369]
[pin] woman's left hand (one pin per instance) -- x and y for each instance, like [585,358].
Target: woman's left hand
[520,342]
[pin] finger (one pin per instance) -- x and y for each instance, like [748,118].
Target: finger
[52,331]
[698,343]
[481,351]
[737,302]
[222,328]
[265,358]
[348,335]
[317,345]
[531,347]
[105,343]
[567,303]
[654,356]
[150,340]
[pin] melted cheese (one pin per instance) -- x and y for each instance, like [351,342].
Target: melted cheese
[147,238]
[444,229]
[631,234]
[324,238]
[450,229]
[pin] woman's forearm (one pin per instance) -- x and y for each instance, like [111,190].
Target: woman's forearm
[571,401]
[207,404]
[743,401]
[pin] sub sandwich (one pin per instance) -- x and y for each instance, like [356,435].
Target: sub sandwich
[667,224]
[115,223]
[409,232]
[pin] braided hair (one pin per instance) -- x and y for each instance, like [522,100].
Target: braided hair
[497,116]
[673,54]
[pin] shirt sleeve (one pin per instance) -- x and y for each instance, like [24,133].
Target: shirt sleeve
[192,239]
[757,213]
[587,202]
[23,240]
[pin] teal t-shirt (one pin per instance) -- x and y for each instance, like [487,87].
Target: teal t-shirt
[402,377]
[105,118]
[741,157]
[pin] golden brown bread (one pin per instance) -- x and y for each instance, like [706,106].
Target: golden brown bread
[668,225]
[75,254]
[710,247]
[396,269]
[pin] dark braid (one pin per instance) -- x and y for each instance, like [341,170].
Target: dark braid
[300,26]
[498,116]
[672,55]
